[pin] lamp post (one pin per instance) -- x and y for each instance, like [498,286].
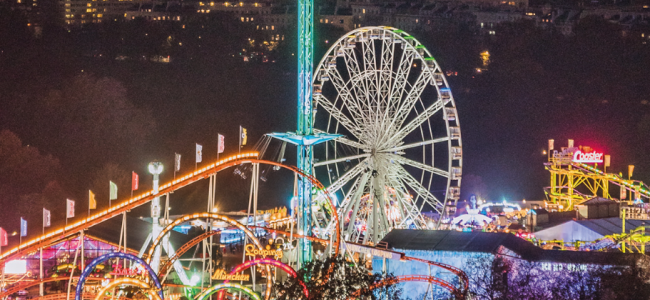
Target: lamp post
[155,168]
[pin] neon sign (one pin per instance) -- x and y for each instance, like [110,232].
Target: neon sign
[251,251]
[591,157]
[119,271]
[222,275]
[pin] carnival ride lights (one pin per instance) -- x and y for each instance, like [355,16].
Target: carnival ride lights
[195,216]
[267,261]
[367,89]
[507,207]
[184,248]
[163,237]
[228,286]
[90,267]
[127,281]
[472,218]
[27,284]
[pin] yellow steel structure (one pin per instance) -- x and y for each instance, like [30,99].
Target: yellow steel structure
[574,182]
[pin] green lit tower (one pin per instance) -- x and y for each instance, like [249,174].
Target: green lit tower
[304,137]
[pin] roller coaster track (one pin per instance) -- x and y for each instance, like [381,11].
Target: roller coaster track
[127,205]
[187,246]
[643,188]
[460,273]
[406,278]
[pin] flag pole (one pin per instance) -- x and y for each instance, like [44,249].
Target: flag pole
[175,155]
[40,263]
[239,139]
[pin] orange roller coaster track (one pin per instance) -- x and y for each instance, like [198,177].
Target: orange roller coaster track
[460,273]
[421,278]
[126,205]
[187,246]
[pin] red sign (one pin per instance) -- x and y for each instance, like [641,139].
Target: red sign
[591,157]
[119,271]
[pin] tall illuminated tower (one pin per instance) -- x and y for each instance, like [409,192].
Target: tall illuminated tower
[304,137]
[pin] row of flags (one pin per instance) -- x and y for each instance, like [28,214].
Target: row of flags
[135,180]
[221,147]
[70,208]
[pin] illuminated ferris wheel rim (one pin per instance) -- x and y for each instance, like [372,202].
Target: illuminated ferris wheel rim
[381,146]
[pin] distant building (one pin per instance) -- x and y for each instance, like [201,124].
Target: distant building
[79,12]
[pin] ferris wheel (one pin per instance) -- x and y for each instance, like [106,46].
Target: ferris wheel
[400,155]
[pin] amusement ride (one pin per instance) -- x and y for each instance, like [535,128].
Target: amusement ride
[576,177]
[378,125]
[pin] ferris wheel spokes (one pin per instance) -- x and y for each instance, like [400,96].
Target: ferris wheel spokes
[338,115]
[421,191]
[413,145]
[416,122]
[425,167]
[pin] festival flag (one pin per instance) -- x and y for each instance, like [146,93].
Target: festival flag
[92,202]
[69,208]
[23,227]
[630,171]
[113,195]
[134,181]
[221,146]
[47,218]
[551,144]
[608,160]
[3,237]
[243,136]
[199,153]
[177,162]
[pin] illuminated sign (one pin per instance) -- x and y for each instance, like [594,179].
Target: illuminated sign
[222,275]
[591,157]
[251,251]
[119,271]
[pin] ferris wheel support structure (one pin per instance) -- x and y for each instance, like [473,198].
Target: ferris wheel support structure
[304,137]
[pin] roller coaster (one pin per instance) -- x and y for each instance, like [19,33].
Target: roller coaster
[75,230]
[576,178]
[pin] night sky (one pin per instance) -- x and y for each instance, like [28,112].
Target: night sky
[58,95]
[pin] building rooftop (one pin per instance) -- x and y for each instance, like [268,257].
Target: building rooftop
[609,226]
[489,242]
